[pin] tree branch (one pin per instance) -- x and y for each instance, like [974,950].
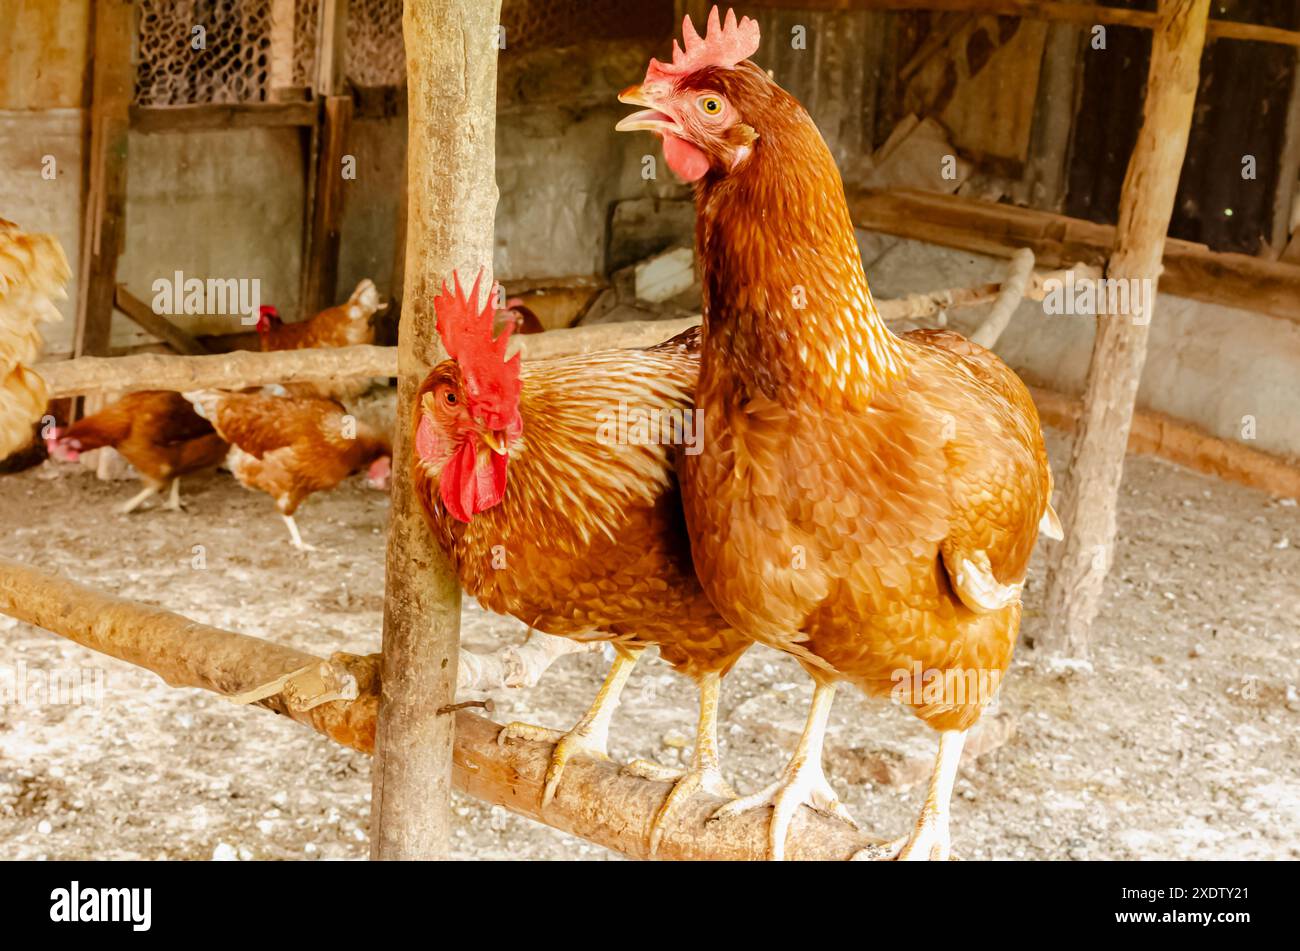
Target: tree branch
[596,800]
[242,368]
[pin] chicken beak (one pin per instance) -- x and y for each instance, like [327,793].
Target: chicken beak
[649,119]
[495,440]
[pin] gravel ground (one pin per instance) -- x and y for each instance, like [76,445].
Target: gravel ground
[1181,743]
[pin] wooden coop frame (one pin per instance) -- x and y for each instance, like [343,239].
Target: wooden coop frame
[306,87]
[400,705]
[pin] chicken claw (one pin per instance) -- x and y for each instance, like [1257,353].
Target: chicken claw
[133,503]
[294,537]
[705,773]
[173,503]
[803,783]
[686,784]
[589,737]
[930,840]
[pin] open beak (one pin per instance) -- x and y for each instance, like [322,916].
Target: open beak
[496,441]
[649,119]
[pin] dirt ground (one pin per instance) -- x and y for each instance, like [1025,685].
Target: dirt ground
[1183,741]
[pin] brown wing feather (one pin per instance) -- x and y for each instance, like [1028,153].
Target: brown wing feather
[591,533]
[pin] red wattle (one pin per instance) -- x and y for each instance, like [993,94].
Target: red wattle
[685,159]
[468,487]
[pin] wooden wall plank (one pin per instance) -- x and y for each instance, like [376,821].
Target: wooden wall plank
[43,53]
[105,214]
[321,268]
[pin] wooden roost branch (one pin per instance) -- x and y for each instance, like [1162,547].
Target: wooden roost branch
[596,800]
[1091,492]
[243,368]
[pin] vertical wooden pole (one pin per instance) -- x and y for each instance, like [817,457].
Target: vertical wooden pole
[451,164]
[284,19]
[328,144]
[398,281]
[104,226]
[1074,585]
[1288,168]
[322,265]
[1044,181]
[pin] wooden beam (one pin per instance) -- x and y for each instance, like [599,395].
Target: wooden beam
[1091,490]
[320,264]
[452,195]
[284,17]
[1060,80]
[104,227]
[1190,270]
[321,269]
[160,371]
[241,368]
[246,115]
[331,48]
[162,328]
[1288,175]
[596,800]
[1153,433]
[1084,13]
[1157,434]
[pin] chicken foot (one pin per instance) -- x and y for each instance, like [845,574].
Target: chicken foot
[133,503]
[706,769]
[802,784]
[294,537]
[590,736]
[930,840]
[173,503]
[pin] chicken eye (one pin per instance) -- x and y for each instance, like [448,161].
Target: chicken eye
[449,397]
[710,105]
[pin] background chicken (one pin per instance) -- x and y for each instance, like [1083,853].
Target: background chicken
[347,325]
[290,447]
[33,272]
[865,502]
[157,431]
[574,533]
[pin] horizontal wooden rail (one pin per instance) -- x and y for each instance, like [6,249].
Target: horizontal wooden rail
[596,801]
[1153,433]
[248,368]
[1190,270]
[249,115]
[1083,13]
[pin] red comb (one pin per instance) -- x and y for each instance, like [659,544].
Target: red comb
[723,44]
[491,381]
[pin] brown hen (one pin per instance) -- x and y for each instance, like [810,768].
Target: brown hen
[291,447]
[865,502]
[552,513]
[349,324]
[157,431]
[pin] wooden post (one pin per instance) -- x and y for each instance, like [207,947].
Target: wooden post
[1288,169]
[393,316]
[451,163]
[327,145]
[1146,205]
[168,333]
[322,264]
[112,86]
[1044,182]
[284,17]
